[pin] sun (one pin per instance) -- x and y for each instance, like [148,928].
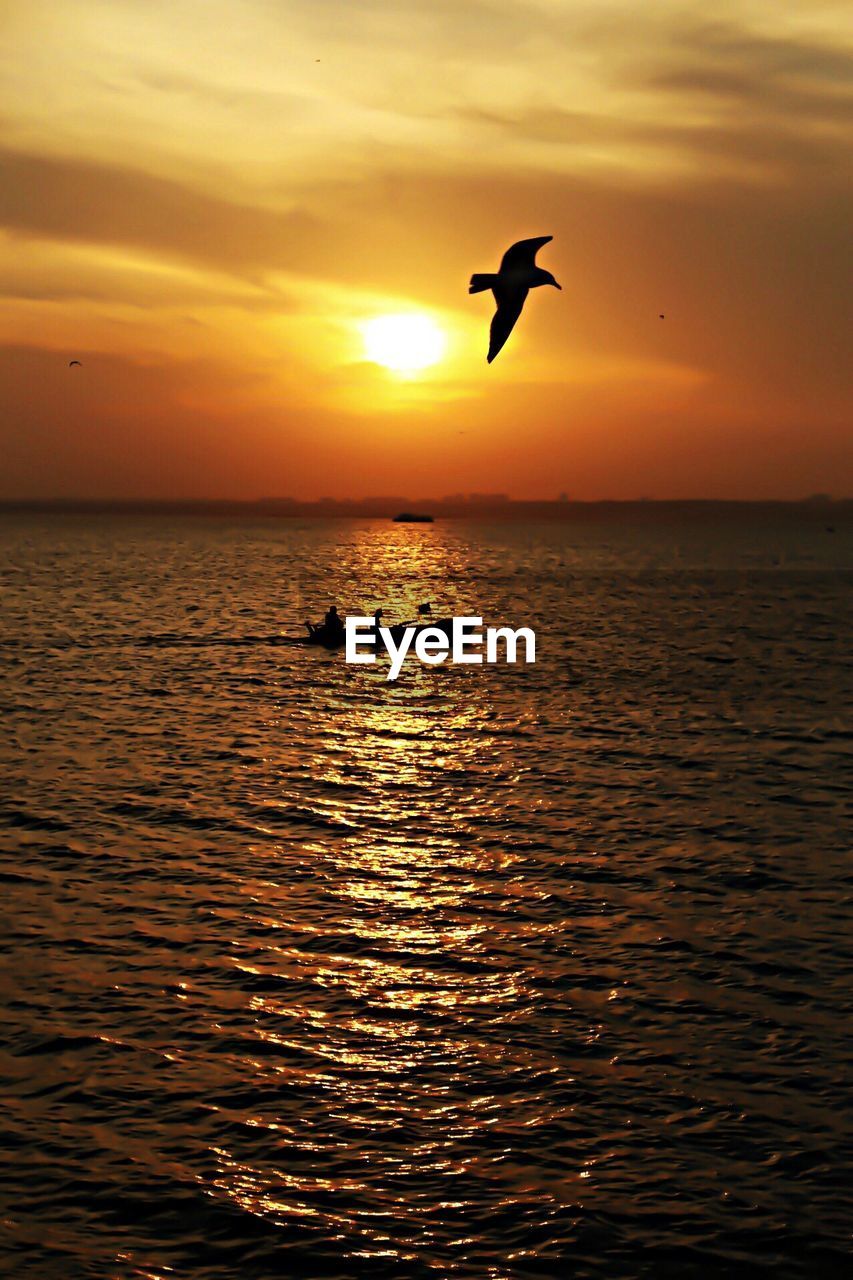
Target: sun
[403,343]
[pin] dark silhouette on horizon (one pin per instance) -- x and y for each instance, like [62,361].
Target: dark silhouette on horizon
[461,505]
[517,276]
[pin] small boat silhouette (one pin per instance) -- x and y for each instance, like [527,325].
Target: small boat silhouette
[412,517]
[335,639]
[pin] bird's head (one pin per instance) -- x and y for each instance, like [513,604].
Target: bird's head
[545,277]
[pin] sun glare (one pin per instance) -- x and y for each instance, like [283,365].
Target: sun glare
[403,343]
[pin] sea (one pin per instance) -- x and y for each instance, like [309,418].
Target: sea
[491,972]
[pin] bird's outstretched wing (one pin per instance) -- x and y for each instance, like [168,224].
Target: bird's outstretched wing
[509,309]
[523,253]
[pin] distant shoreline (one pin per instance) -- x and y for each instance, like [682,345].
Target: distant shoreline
[447,508]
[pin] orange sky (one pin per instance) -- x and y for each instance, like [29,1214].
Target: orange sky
[205,215]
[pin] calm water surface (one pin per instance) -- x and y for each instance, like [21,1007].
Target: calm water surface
[496,972]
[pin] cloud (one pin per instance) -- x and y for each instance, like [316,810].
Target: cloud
[753,108]
[78,200]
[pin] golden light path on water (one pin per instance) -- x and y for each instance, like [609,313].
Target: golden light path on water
[389,877]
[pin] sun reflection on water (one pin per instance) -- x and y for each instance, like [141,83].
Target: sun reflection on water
[378,998]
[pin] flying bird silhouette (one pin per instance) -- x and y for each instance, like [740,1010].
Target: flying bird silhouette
[517,276]
[73,362]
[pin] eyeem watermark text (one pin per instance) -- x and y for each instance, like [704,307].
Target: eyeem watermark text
[433,645]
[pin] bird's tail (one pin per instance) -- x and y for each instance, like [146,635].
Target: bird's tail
[480,283]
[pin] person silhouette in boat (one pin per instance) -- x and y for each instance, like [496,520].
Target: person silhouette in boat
[331,628]
[332,623]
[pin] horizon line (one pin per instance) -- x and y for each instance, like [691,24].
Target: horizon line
[475,500]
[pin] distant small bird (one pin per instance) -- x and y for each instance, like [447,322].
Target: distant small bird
[517,276]
[661,316]
[71,363]
[426,607]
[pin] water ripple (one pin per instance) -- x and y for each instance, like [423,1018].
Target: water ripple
[504,973]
